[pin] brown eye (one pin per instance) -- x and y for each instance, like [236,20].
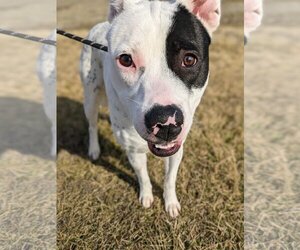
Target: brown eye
[125,60]
[189,60]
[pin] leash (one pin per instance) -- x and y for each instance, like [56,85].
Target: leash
[82,40]
[28,37]
[51,42]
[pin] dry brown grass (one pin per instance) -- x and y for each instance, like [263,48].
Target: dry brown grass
[97,206]
[27,172]
[272,183]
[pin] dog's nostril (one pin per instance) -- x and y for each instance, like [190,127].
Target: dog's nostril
[159,126]
[179,122]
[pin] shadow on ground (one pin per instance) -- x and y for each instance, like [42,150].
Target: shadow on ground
[24,127]
[73,137]
[27,176]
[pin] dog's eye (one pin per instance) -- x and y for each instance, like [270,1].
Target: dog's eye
[189,60]
[125,60]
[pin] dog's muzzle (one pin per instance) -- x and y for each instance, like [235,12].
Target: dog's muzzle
[165,124]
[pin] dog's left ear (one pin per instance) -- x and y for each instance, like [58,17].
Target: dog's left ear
[207,11]
[117,6]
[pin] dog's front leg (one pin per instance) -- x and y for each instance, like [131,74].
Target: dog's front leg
[91,108]
[53,132]
[139,163]
[172,163]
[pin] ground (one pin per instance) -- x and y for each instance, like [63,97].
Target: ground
[27,172]
[272,183]
[97,203]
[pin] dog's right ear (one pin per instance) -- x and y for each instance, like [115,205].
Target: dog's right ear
[207,11]
[117,6]
[253,11]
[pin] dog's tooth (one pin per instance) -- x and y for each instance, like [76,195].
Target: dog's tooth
[165,146]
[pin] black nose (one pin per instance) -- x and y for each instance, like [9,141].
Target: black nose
[164,121]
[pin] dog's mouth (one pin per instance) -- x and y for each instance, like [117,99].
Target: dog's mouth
[164,150]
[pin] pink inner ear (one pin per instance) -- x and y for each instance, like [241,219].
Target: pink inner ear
[208,11]
[252,15]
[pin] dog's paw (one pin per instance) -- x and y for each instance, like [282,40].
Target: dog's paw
[173,207]
[146,200]
[94,152]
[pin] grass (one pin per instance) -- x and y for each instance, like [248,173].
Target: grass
[272,186]
[97,203]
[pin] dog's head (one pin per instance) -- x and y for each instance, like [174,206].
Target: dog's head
[253,12]
[159,56]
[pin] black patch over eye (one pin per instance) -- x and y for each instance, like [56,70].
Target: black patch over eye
[189,60]
[125,60]
[187,49]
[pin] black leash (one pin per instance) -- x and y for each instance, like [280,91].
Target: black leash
[28,37]
[82,40]
[51,42]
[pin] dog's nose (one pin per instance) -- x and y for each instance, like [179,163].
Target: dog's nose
[165,122]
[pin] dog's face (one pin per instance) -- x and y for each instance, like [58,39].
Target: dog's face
[159,61]
[253,12]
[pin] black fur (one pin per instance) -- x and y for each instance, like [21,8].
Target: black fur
[187,34]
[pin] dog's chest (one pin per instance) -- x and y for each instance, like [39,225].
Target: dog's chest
[125,132]
[122,127]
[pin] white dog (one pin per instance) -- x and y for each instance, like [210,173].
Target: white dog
[46,70]
[155,73]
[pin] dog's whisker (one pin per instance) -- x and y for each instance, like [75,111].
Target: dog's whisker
[136,102]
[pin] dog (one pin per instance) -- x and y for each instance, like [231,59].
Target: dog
[155,73]
[46,70]
[253,13]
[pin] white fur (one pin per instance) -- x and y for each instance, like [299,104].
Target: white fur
[253,13]
[47,74]
[139,29]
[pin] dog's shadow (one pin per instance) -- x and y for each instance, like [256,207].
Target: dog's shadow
[72,135]
[24,127]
